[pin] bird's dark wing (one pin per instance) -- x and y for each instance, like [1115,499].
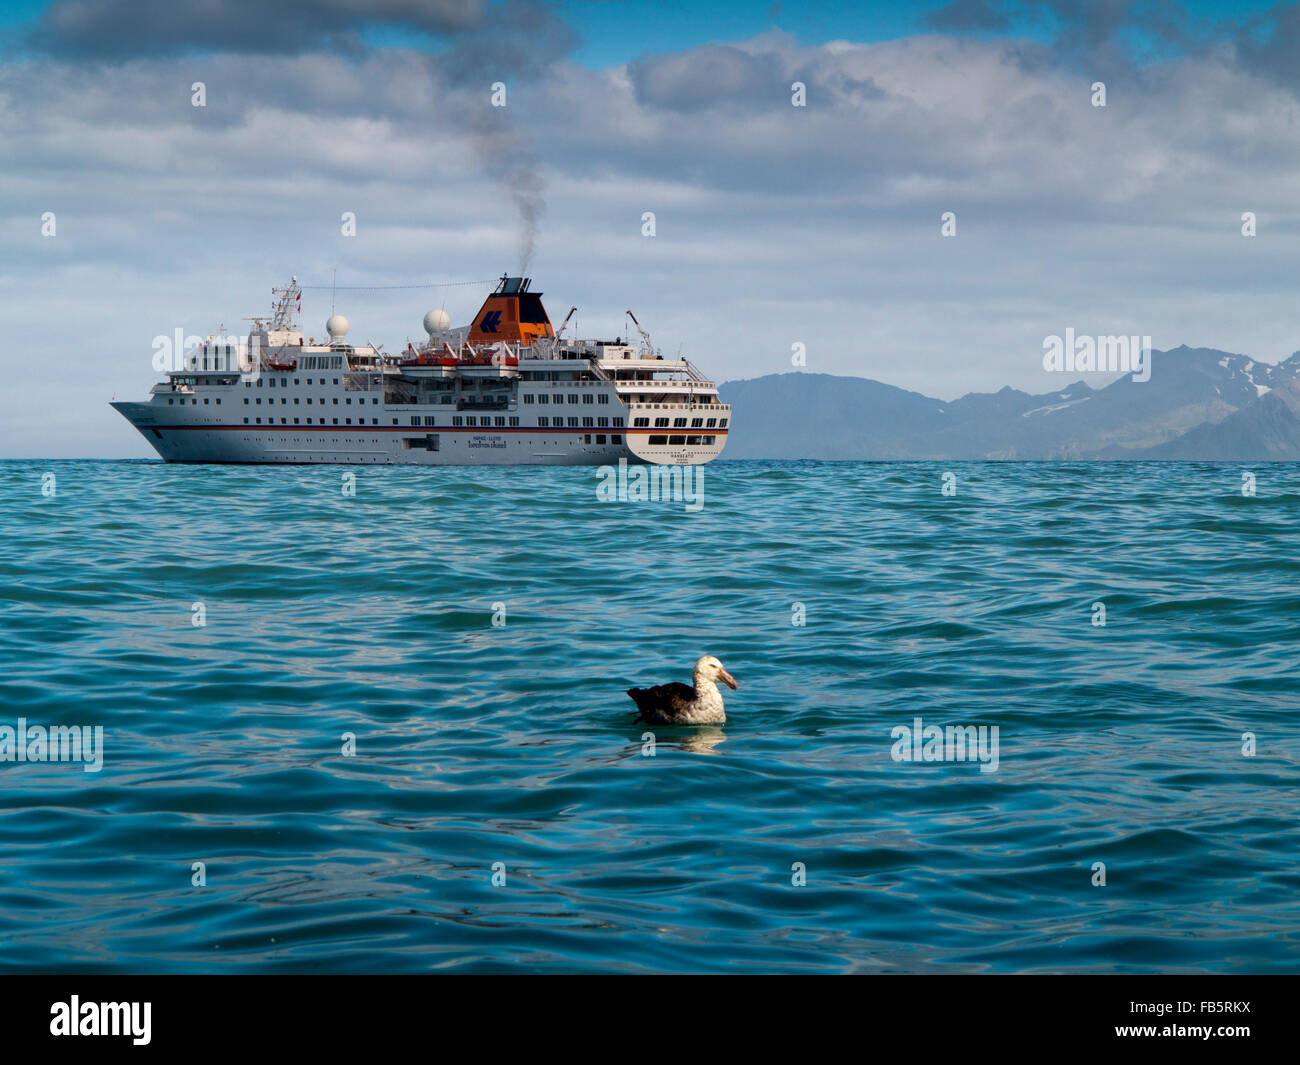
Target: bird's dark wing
[660,704]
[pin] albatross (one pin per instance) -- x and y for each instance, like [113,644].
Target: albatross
[678,704]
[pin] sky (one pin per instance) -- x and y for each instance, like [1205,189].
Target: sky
[774,225]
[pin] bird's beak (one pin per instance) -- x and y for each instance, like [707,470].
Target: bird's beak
[728,680]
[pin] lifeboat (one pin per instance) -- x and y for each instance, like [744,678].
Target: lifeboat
[282,365]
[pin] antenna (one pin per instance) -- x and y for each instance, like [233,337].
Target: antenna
[333,287]
[285,298]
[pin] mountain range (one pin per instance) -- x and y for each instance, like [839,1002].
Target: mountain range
[1199,403]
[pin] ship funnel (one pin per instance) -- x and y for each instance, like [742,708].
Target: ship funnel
[512,313]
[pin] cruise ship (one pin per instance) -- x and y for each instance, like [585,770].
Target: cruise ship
[508,388]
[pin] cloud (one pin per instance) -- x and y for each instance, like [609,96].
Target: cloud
[972,15]
[1102,34]
[513,41]
[703,77]
[775,224]
[118,29]
[469,41]
[1268,43]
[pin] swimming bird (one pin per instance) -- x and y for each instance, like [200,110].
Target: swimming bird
[677,704]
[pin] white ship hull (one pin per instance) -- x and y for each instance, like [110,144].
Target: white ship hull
[196,441]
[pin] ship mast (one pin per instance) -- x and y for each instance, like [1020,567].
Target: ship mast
[288,301]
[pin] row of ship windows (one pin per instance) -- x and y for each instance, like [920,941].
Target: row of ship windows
[614,438]
[361,401]
[284,382]
[348,401]
[695,441]
[319,421]
[375,400]
[540,398]
[228,352]
[568,377]
[680,423]
[557,422]
[543,422]
[528,397]
[465,421]
[433,441]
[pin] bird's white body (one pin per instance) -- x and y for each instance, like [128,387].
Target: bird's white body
[707,708]
[676,704]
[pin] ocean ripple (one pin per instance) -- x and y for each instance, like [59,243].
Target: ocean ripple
[371,616]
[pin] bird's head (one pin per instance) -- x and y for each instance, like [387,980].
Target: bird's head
[709,668]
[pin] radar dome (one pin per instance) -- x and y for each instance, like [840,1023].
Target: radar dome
[337,326]
[436,322]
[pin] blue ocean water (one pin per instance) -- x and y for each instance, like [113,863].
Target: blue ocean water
[475,744]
